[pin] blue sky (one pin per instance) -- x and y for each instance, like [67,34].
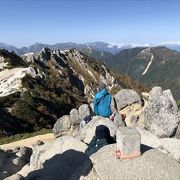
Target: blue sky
[24,22]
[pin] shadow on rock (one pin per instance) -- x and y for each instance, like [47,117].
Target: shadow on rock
[70,165]
[145,148]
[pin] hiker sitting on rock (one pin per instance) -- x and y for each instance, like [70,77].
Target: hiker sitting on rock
[102,101]
[102,137]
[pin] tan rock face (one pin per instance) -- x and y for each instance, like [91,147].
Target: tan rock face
[134,115]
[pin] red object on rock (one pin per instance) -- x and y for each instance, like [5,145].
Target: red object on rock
[118,153]
[123,116]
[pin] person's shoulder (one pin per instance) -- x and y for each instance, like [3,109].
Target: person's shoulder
[109,94]
[97,94]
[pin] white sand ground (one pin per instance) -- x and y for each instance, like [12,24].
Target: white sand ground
[29,142]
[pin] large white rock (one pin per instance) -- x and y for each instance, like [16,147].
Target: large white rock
[60,145]
[63,124]
[87,133]
[74,116]
[161,115]
[153,164]
[58,160]
[126,97]
[170,146]
[84,112]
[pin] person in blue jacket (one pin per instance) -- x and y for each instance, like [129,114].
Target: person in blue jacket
[102,101]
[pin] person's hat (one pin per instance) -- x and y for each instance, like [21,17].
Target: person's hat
[102,85]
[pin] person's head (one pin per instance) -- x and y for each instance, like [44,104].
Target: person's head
[102,85]
[102,132]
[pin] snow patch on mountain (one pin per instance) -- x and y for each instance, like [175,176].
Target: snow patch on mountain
[150,62]
[28,57]
[27,54]
[64,51]
[110,46]
[10,79]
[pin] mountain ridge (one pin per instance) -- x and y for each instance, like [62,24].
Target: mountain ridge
[50,83]
[152,66]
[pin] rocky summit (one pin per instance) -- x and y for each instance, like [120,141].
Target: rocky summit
[145,144]
[38,88]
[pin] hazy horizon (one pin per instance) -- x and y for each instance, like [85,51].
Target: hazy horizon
[24,23]
[111,43]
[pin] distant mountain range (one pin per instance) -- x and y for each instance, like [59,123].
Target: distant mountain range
[149,65]
[99,46]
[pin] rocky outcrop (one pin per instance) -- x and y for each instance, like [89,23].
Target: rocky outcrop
[85,112]
[74,116]
[151,165]
[12,161]
[134,115]
[170,146]
[62,125]
[58,160]
[71,122]
[161,115]
[126,97]
[64,157]
[87,133]
[60,145]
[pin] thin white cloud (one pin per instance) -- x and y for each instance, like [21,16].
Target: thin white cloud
[132,45]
